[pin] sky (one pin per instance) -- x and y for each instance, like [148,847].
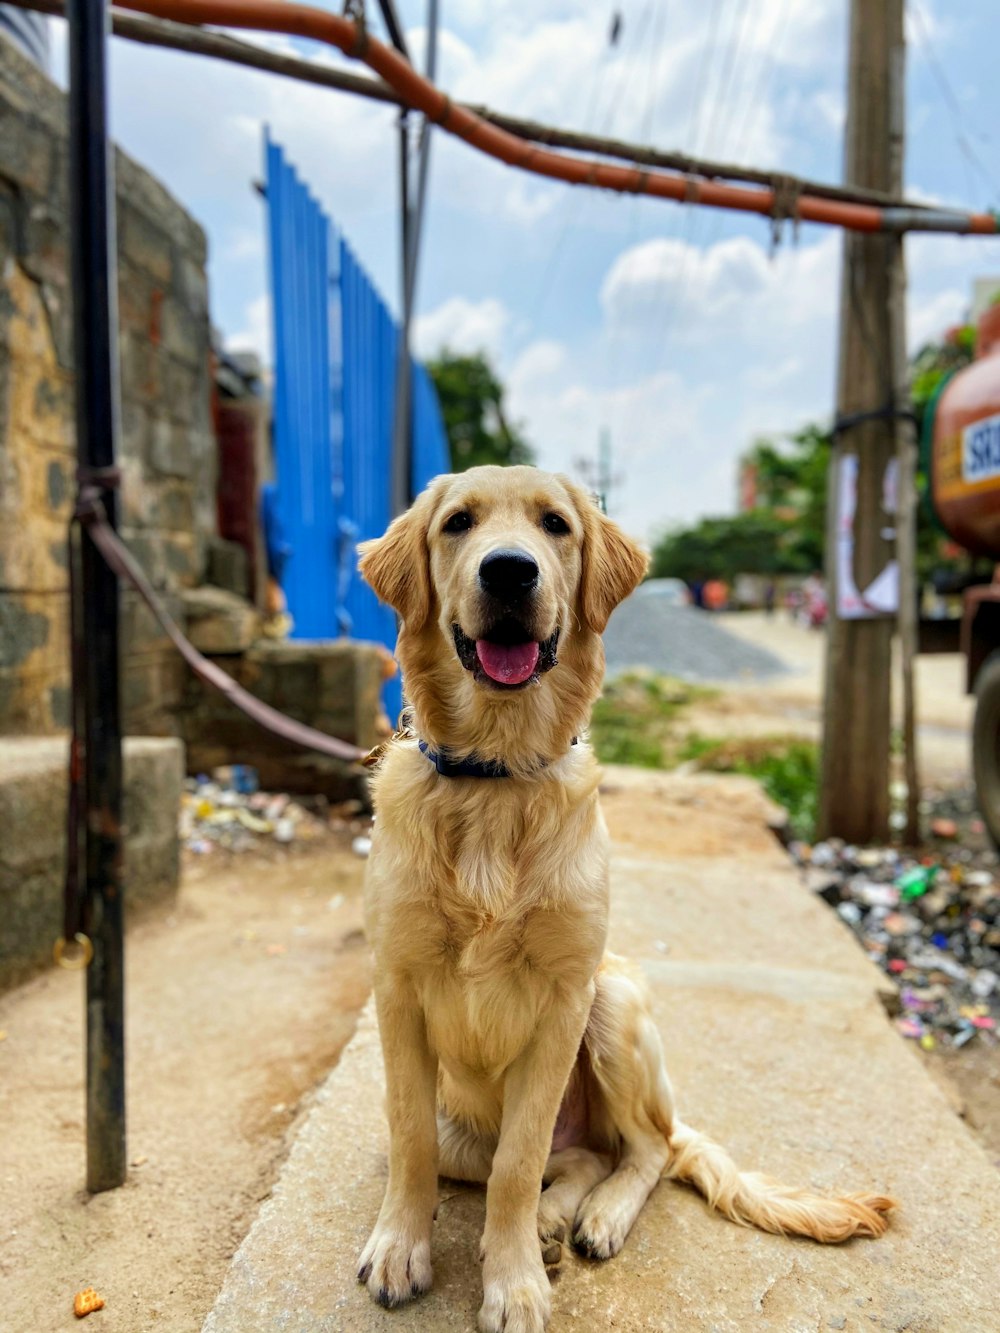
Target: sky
[686,333]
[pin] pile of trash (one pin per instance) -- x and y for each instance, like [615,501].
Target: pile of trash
[228,811]
[931,923]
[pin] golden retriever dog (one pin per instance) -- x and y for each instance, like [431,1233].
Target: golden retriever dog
[517,1052]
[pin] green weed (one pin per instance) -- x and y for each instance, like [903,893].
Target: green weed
[787,769]
[632,722]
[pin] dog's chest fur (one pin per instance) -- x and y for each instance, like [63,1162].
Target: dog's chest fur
[488,899]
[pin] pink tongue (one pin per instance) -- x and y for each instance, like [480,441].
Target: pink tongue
[507,663]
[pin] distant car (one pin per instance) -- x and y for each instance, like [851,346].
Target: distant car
[671,592]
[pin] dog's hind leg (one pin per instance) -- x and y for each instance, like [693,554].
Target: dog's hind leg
[631,1088]
[632,1097]
[570,1175]
[465,1153]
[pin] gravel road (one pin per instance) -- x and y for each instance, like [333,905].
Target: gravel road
[645,631]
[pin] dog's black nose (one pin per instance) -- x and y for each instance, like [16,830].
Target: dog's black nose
[508,574]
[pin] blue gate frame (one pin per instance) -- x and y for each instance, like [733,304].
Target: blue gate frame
[335,347]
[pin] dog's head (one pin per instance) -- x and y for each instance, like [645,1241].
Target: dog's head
[504,579]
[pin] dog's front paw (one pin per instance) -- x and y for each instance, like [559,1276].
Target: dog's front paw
[395,1265]
[516,1296]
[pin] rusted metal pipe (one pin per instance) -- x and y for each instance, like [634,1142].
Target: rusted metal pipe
[417,92]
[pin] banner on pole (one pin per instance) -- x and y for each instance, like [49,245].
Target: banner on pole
[881,596]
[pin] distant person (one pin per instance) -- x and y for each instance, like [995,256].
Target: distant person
[716,595]
[815,604]
[697,588]
[770,597]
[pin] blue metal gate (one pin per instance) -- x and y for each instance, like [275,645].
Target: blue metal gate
[334,373]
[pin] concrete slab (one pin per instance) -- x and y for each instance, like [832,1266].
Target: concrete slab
[33,793]
[779,1047]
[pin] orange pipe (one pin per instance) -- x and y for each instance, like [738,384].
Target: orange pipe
[303,21]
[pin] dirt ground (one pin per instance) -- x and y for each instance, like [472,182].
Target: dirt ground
[792,704]
[240,1000]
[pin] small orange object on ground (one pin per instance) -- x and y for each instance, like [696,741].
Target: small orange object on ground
[86,1302]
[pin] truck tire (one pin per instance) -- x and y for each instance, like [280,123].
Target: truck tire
[986,744]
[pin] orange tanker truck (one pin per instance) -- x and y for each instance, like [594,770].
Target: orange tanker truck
[965,491]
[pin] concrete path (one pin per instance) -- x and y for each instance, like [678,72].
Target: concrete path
[778,1045]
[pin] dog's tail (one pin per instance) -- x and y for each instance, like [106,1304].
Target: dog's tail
[752,1200]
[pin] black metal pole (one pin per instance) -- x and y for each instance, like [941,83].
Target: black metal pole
[95,324]
[411,211]
[400,488]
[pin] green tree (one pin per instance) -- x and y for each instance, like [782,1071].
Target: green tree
[721,548]
[471,399]
[792,487]
[782,534]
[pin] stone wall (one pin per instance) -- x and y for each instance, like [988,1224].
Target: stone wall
[167,444]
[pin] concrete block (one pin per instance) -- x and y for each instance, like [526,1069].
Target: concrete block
[10,228]
[26,148]
[333,686]
[25,628]
[140,630]
[170,447]
[141,367]
[33,792]
[219,622]
[45,253]
[149,197]
[191,285]
[183,390]
[139,300]
[145,245]
[185,336]
[59,319]
[172,509]
[227,566]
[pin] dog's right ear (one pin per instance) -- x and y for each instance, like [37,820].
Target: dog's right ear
[396,566]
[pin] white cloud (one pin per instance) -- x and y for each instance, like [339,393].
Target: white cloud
[928,321]
[655,419]
[536,366]
[596,311]
[462,326]
[733,286]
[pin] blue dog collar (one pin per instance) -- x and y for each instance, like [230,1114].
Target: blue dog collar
[467,768]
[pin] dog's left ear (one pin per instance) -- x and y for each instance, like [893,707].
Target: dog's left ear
[396,566]
[613,564]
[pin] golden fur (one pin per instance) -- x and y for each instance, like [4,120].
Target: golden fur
[487,907]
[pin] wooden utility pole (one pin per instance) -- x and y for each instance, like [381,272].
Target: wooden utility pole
[854,794]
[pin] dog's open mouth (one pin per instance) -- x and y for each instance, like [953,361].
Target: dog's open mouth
[507,655]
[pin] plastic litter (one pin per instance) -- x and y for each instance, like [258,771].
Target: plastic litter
[931,923]
[227,811]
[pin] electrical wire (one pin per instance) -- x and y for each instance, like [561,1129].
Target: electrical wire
[948,96]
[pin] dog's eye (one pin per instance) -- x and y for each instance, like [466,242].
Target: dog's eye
[460,522]
[556,524]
